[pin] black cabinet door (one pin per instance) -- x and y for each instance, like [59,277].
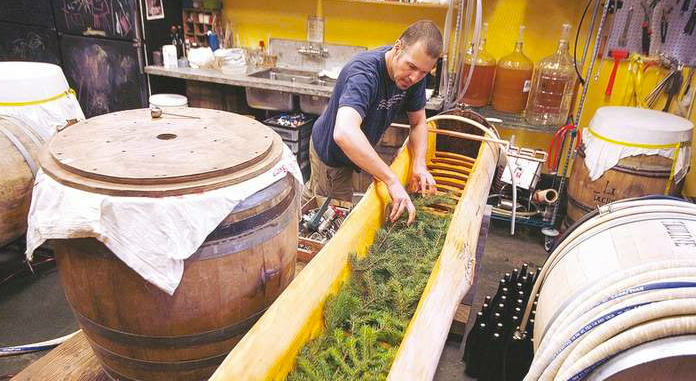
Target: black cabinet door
[28,43]
[103,18]
[27,12]
[106,74]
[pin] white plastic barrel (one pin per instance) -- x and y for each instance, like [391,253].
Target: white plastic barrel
[628,152]
[168,100]
[39,95]
[621,279]
[35,102]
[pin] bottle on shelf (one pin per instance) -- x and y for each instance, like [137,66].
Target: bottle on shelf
[259,56]
[513,79]
[174,39]
[181,47]
[479,91]
[553,86]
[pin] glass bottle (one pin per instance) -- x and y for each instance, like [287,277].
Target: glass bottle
[473,362]
[473,336]
[552,86]
[491,364]
[479,91]
[513,80]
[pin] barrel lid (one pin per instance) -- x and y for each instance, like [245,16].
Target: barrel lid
[640,126]
[168,100]
[30,81]
[129,153]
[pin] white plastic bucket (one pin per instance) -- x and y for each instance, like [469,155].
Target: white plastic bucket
[38,95]
[24,82]
[168,100]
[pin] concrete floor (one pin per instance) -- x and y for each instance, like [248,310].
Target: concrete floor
[33,308]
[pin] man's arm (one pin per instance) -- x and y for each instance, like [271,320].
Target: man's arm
[348,135]
[421,180]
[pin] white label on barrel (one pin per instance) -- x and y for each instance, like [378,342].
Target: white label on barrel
[679,234]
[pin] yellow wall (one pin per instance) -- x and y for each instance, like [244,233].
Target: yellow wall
[349,23]
[373,25]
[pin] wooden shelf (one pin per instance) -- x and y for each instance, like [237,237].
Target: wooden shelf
[398,3]
[194,29]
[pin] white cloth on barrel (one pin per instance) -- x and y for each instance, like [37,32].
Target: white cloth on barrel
[601,156]
[153,236]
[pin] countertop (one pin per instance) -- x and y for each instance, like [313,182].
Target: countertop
[243,80]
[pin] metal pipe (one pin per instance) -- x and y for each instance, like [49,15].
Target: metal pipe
[474,54]
[444,69]
[589,32]
[457,52]
[593,60]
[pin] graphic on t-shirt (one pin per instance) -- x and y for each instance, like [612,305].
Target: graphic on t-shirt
[388,104]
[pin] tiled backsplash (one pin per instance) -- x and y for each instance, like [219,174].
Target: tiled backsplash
[290,58]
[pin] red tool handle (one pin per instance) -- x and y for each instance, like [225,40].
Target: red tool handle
[612,77]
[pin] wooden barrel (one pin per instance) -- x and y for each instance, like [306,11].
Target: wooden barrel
[19,147]
[138,331]
[629,149]
[619,281]
[634,176]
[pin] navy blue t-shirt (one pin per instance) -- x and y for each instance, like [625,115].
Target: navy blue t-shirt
[364,85]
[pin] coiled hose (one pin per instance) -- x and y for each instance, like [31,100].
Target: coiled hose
[620,311]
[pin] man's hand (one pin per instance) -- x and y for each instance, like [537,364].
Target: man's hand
[421,180]
[400,201]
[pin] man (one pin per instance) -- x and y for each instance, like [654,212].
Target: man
[369,92]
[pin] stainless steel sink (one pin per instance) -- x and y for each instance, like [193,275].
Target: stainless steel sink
[277,100]
[282,101]
[314,104]
[287,75]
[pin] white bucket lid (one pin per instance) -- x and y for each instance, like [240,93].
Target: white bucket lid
[30,81]
[640,126]
[168,100]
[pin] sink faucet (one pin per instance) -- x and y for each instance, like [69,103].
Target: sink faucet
[313,50]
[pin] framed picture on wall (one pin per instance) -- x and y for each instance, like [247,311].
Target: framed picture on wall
[154,9]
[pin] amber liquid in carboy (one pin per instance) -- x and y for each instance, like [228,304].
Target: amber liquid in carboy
[513,79]
[550,96]
[552,86]
[509,94]
[479,91]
